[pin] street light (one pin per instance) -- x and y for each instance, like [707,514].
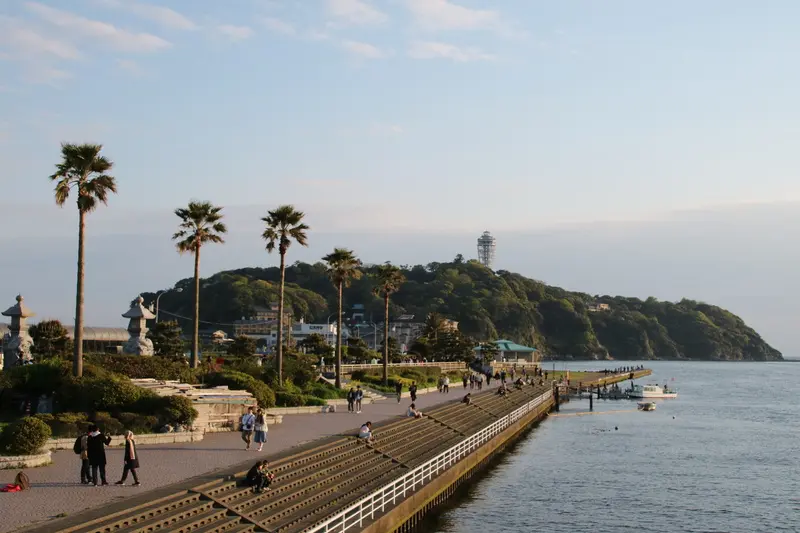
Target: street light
[160,294]
[328,328]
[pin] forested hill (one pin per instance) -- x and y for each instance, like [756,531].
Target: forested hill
[491,305]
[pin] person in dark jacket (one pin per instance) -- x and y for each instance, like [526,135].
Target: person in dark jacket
[96,451]
[131,460]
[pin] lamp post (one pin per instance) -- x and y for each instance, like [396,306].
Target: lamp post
[160,294]
[328,328]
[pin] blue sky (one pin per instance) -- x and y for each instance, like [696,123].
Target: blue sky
[454,113]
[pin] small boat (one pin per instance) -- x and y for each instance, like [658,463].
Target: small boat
[647,406]
[651,391]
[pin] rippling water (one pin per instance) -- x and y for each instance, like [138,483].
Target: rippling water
[729,461]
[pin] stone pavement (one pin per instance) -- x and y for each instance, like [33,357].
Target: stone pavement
[56,490]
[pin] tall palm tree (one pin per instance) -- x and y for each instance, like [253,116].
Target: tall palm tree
[343,267]
[83,169]
[201,223]
[389,278]
[284,225]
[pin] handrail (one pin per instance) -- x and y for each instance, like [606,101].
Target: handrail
[377,501]
[444,365]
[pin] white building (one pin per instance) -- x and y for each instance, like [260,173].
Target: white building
[301,331]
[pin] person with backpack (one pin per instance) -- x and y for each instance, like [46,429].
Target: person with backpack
[81,447]
[96,452]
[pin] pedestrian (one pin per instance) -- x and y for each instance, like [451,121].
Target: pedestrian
[351,400]
[96,452]
[365,433]
[261,429]
[248,426]
[412,391]
[398,389]
[131,460]
[413,412]
[446,385]
[465,380]
[359,398]
[81,448]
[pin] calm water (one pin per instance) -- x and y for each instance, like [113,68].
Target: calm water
[729,461]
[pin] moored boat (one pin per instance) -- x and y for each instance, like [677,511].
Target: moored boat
[651,391]
[647,406]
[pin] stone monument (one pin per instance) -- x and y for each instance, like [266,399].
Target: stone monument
[17,343]
[138,344]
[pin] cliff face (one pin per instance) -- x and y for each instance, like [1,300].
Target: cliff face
[496,305]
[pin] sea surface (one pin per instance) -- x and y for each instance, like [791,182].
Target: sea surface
[722,457]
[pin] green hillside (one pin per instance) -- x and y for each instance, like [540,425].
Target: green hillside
[491,305]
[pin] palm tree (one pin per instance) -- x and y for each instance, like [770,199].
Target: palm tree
[342,269]
[389,278]
[83,169]
[284,225]
[201,223]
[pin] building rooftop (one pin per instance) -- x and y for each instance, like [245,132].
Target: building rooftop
[505,345]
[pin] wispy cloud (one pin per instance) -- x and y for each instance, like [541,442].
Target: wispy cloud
[355,13]
[235,33]
[26,42]
[130,67]
[439,50]
[109,34]
[445,15]
[278,26]
[45,75]
[364,50]
[163,16]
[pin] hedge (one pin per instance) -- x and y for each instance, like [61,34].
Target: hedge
[25,436]
[288,399]
[138,367]
[238,380]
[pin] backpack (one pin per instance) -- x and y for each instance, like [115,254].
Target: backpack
[22,481]
[77,446]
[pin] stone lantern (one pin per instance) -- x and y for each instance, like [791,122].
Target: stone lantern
[138,314]
[17,343]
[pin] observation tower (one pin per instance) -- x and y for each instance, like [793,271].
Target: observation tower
[486,248]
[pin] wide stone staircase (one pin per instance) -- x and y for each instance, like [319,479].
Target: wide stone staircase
[317,480]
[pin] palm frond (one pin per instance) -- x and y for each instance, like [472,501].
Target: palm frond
[200,223]
[83,168]
[284,225]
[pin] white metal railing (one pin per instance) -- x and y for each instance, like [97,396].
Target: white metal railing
[444,365]
[388,495]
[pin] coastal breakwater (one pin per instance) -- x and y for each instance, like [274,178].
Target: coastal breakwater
[338,483]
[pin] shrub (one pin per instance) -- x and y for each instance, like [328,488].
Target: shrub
[25,437]
[325,391]
[138,423]
[178,410]
[107,423]
[310,400]
[288,399]
[69,424]
[100,394]
[237,380]
[137,367]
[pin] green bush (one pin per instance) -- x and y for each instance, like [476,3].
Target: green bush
[99,394]
[107,423]
[288,399]
[25,436]
[311,400]
[237,380]
[138,423]
[325,391]
[69,424]
[137,367]
[34,380]
[178,410]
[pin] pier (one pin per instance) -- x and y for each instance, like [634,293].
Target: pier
[337,483]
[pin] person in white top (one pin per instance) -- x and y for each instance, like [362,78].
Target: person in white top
[248,426]
[261,429]
[365,433]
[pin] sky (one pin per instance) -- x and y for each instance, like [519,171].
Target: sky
[397,118]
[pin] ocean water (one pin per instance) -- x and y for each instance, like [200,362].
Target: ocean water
[722,457]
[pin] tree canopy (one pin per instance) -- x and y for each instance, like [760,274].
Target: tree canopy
[489,306]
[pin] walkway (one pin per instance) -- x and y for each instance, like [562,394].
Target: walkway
[56,492]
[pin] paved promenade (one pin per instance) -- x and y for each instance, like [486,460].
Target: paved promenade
[56,490]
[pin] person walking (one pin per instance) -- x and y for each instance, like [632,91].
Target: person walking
[131,460]
[261,429]
[248,426]
[465,380]
[96,453]
[351,400]
[359,398]
[412,391]
[446,385]
[398,389]
[81,448]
